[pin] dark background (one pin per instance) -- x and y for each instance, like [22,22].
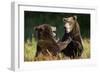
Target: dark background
[32,19]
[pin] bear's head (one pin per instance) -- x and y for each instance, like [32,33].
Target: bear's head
[71,25]
[43,31]
[46,40]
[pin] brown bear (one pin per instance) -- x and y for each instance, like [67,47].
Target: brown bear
[46,44]
[72,30]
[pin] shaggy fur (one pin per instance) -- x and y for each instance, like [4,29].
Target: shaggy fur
[46,43]
[75,47]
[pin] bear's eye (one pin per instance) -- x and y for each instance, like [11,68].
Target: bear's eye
[69,22]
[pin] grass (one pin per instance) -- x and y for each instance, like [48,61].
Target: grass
[86,46]
[30,51]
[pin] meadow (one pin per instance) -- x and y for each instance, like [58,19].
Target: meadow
[32,19]
[30,51]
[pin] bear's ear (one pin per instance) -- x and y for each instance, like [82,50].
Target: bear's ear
[35,28]
[75,17]
[64,19]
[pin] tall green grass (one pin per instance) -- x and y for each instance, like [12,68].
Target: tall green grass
[86,45]
[30,50]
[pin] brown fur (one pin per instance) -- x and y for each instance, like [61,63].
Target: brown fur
[75,47]
[45,41]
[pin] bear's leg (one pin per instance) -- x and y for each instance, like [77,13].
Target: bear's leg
[69,50]
[73,50]
[78,49]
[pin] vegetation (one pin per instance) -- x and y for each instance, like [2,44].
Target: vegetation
[86,45]
[30,51]
[55,19]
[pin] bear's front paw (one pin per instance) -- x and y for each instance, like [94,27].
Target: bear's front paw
[69,39]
